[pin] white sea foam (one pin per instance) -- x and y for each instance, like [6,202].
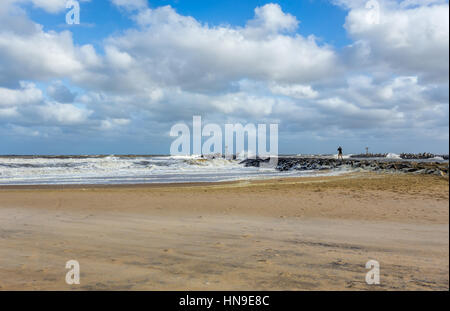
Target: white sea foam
[346,156]
[437,158]
[393,156]
[122,170]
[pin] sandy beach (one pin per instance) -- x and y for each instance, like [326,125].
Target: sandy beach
[281,234]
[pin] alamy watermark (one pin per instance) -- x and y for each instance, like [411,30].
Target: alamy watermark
[73,275]
[373,12]
[214,147]
[373,276]
[73,16]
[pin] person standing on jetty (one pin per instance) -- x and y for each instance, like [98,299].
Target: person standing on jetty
[340,157]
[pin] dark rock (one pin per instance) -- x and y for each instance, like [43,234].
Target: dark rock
[311,163]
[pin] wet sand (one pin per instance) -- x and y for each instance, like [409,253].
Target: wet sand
[281,234]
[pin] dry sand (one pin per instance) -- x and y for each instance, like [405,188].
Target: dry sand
[282,234]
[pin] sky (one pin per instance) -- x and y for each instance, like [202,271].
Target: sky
[350,73]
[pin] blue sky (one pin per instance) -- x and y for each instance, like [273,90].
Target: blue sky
[324,70]
[101,18]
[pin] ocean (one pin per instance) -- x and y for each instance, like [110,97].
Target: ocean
[114,169]
[144,169]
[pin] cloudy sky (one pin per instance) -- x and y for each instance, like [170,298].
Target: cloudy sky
[329,72]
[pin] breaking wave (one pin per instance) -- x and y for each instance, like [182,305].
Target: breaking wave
[17,170]
[393,156]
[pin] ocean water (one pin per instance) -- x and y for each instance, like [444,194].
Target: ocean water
[62,170]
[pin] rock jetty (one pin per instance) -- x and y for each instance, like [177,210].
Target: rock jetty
[369,155]
[405,156]
[419,156]
[384,165]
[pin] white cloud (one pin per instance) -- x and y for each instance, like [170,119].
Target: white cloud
[409,39]
[8,112]
[50,6]
[178,50]
[298,91]
[270,19]
[170,67]
[40,55]
[118,59]
[28,94]
[353,116]
[64,114]
[113,123]
[239,103]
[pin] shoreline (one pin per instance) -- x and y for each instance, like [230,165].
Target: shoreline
[70,174]
[247,182]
